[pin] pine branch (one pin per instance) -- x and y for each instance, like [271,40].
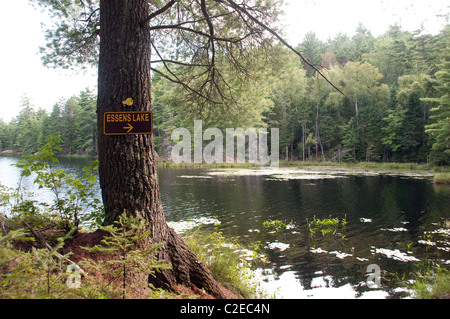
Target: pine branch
[239,8]
[159,11]
[179,63]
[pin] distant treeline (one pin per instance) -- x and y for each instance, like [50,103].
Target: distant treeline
[393,107]
[74,119]
[391,85]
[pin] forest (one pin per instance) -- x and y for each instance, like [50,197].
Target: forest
[393,104]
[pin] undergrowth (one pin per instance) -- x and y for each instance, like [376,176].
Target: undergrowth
[34,234]
[229,260]
[432,284]
[34,261]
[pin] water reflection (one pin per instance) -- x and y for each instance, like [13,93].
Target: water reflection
[10,176]
[388,217]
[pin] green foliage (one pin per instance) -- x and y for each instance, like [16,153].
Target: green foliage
[118,268]
[173,107]
[431,283]
[74,198]
[24,133]
[75,119]
[313,50]
[440,129]
[382,119]
[442,178]
[131,255]
[275,225]
[5,197]
[45,273]
[41,272]
[328,227]
[229,260]
[36,273]
[86,124]
[70,34]
[395,85]
[394,129]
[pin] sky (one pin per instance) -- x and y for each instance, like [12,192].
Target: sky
[21,69]
[329,17]
[21,34]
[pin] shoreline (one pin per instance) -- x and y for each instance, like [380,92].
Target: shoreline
[440,174]
[328,167]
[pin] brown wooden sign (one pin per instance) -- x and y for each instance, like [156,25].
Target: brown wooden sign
[124,123]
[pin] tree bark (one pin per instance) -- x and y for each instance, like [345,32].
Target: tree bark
[127,163]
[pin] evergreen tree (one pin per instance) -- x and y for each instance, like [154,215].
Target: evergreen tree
[313,49]
[440,129]
[393,133]
[69,129]
[86,124]
[375,121]
[362,43]
[3,135]
[26,127]
[342,47]
[53,124]
[392,53]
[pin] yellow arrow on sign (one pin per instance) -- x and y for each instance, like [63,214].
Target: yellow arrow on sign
[129,128]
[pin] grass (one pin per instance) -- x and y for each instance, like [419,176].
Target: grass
[361,165]
[442,178]
[434,284]
[37,273]
[229,260]
[170,164]
[393,166]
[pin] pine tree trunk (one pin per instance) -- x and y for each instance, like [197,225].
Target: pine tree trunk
[127,163]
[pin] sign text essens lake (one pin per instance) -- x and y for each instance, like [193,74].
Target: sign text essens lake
[122,123]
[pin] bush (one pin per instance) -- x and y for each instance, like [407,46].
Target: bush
[130,257]
[39,273]
[74,201]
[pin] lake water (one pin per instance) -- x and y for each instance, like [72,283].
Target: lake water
[394,222]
